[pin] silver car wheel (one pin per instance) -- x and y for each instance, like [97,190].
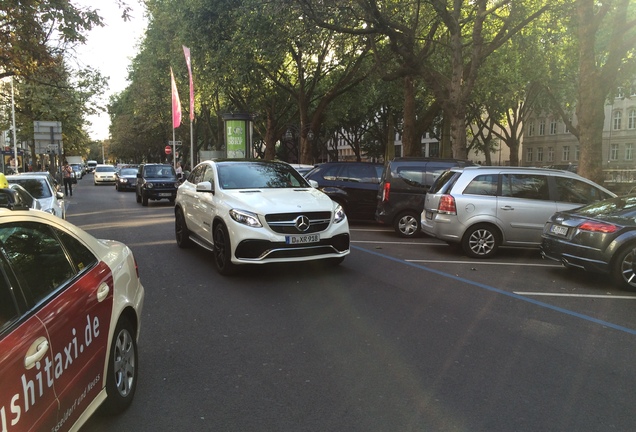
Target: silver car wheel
[481,241]
[407,225]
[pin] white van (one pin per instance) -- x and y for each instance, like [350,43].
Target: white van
[90,165]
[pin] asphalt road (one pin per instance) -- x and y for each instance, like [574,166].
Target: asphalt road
[403,336]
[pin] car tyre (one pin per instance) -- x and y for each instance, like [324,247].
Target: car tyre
[481,241]
[181,230]
[223,251]
[407,224]
[144,199]
[624,268]
[123,370]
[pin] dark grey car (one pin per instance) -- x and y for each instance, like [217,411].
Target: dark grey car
[600,237]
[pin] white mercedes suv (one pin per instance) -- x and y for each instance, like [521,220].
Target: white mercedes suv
[258,212]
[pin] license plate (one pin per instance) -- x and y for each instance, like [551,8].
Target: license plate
[428,215]
[559,230]
[302,239]
[165,194]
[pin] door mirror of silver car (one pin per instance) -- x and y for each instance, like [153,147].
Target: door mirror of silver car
[313,183]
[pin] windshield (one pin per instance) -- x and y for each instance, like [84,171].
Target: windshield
[128,172]
[38,188]
[160,171]
[105,169]
[258,175]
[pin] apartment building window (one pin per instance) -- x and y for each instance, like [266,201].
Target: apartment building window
[541,127]
[629,152]
[618,116]
[539,154]
[553,127]
[577,152]
[550,154]
[529,154]
[531,129]
[620,93]
[566,153]
[614,152]
[631,120]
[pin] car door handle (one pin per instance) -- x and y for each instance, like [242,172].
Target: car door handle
[507,208]
[36,352]
[102,292]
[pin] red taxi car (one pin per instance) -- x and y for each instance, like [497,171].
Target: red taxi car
[70,309]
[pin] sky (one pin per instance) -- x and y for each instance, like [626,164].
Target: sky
[110,49]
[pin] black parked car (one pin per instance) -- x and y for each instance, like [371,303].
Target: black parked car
[353,185]
[156,182]
[600,238]
[405,181]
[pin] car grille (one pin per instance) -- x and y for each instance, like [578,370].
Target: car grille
[164,185]
[263,249]
[286,223]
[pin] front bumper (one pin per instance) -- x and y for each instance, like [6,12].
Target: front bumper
[262,245]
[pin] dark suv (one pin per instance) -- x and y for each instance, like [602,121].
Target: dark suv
[405,181]
[353,185]
[155,182]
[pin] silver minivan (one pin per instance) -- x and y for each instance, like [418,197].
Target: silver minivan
[483,208]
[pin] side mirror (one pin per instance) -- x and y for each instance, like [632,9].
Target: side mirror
[313,183]
[59,195]
[205,186]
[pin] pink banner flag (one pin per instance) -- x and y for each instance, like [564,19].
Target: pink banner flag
[176,103]
[186,52]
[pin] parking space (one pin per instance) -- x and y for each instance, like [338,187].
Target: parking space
[519,273]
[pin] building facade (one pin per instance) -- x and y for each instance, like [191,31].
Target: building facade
[548,142]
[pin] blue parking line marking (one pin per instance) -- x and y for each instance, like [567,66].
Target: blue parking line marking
[499,291]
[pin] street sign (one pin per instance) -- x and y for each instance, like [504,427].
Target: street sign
[47,137]
[168,149]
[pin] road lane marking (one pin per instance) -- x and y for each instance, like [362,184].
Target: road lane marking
[502,292]
[606,296]
[484,263]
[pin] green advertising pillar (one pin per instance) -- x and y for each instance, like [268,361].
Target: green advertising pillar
[238,135]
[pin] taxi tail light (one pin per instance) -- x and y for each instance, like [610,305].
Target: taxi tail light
[385,192]
[447,205]
[602,227]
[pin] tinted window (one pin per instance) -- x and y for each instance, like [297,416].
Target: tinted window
[485,184]
[576,191]
[258,176]
[8,308]
[527,186]
[412,175]
[621,210]
[359,173]
[37,258]
[36,187]
[128,172]
[445,181]
[330,172]
[82,257]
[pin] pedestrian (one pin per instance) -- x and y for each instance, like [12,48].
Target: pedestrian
[67,172]
[179,171]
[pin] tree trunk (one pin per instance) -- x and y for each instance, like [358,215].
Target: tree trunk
[411,144]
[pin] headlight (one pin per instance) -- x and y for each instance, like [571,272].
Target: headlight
[149,185]
[245,218]
[176,185]
[339,214]
[123,180]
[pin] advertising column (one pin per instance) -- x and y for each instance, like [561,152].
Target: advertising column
[238,135]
